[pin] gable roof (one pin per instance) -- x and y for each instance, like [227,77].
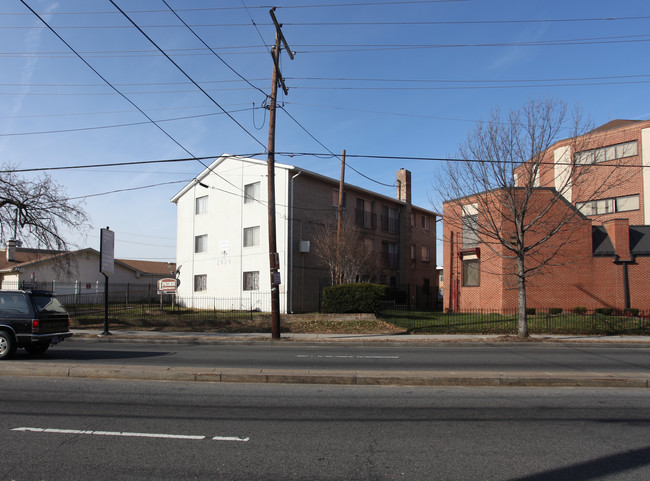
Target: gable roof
[639,241]
[29,257]
[207,171]
[614,124]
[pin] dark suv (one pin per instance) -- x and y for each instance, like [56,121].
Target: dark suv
[32,320]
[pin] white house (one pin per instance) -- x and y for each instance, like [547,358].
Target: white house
[222,235]
[75,272]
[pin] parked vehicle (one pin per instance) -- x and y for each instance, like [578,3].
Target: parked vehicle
[32,320]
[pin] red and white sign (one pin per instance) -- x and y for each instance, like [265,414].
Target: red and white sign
[167,286]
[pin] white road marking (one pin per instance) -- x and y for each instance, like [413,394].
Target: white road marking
[305,356]
[189,437]
[230,438]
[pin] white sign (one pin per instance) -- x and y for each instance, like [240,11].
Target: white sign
[167,286]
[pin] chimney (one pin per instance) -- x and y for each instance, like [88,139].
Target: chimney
[618,231]
[404,186]
[11,250]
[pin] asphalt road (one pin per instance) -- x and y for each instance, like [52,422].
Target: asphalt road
[136,430]
[497,357]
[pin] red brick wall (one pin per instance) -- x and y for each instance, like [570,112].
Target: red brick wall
[573,278]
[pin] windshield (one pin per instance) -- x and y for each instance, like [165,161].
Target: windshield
[48,305]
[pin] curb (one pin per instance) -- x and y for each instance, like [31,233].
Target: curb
[359,378]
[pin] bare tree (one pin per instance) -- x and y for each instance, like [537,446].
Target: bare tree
[37,211]
[352,260]
[509,192]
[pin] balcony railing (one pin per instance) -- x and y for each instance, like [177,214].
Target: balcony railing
[367,220]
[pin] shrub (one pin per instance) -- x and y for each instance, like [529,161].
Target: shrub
[629,311]
[553,311]
[580,310]
[605,311]
[362,297]
[531,311]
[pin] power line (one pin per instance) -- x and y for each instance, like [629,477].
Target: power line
[185,73]
[291,155]
[205,9]
[129,189]
[325,147]
[131,124]
[213,52]
[106,80]
[355,24]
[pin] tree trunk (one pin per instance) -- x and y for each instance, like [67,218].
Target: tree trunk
[521,294]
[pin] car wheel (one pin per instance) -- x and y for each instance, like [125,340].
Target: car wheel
[37,348]
[7,345]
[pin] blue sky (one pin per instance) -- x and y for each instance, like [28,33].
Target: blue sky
[384,78]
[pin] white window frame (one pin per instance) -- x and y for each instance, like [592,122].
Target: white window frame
[252,192]
[201,244]
[251,236]
[201,205]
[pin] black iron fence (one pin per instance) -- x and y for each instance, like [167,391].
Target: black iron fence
[541,321]
[166,311]
[92,292]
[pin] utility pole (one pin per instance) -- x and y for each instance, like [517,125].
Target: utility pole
[340,218]
[274,258]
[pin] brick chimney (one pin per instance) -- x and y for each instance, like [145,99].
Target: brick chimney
[404,186]
[618,231]
[11,250]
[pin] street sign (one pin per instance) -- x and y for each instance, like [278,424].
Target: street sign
[167,286]
[106,251]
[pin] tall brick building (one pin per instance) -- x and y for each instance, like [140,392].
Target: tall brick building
[222,233]
[601,257]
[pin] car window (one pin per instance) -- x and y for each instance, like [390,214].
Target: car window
[12,303]
[47,305]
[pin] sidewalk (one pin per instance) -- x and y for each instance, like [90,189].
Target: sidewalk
[339,377]
[88,335]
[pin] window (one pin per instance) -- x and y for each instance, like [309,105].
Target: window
[252,281]
[200,283]
[413,222]
[413,252]
[389,219]
[390,255]
[201,205]
[335,198]
[609,206]
[426,253]
[425,222]
[364,215]
[603,154]
[627,203]
[470,236]
[251,192]
[470,270]
[252,236]
[201,244]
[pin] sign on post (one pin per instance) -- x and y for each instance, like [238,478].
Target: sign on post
[106,251]
[167,286]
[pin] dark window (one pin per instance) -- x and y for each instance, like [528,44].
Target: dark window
[470,228]
[471,272]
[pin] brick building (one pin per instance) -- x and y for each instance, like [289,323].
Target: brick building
[601,257]
[222,251]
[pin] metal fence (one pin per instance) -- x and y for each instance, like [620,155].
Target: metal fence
[542,321]
[92,292]
[167,311]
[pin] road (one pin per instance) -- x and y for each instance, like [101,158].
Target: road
[139,430]
[497,357]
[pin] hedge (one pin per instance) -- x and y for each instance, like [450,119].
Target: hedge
[347,298]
